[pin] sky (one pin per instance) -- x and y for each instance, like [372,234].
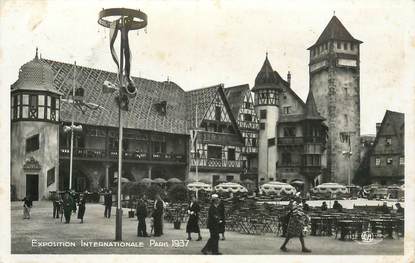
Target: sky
[202,43]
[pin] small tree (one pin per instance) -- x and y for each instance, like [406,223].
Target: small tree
[152,191]
[178,193]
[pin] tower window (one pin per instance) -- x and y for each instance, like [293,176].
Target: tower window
[389,161]
[263,114]
[345,92]
[346,119]
[32,143]
[388,141]
[377,161]
[33,106]
[325,46]
[271,142]
[262,126]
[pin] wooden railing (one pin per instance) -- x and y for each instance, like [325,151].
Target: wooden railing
[88,153]
[216,163]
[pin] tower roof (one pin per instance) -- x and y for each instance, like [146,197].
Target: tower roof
[267,78]
[35,75]
[335,31]
[311,112]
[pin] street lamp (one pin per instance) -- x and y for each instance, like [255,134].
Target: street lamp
[348,154]
[77,101]
[127,19]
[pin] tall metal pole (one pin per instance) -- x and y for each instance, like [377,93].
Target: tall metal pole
[72,125]
[118,216]
[196,155]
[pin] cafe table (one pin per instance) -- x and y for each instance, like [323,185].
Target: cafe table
[387,224]
[344,225]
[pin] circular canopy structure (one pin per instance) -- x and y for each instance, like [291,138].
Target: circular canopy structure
[175,180]
[333,188]
[159,181]
[277,188]
[146,181]
[123,180]
[394,186]
[297,182]
[197,186]
[230,187]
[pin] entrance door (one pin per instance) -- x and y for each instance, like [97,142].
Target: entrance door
[32,186]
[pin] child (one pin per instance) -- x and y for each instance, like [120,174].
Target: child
[27,204]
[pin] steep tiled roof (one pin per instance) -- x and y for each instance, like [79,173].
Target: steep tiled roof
[311,112]
[398,121]
[267,78]
[335,31]
[235,96]
[142,113]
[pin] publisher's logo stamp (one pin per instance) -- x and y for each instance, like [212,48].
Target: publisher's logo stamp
[367,236]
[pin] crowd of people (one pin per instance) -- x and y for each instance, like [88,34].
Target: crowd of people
[293,221]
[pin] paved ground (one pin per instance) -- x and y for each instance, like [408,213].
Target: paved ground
[42,227]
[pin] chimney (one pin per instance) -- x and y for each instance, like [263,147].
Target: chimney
[289,79]
[377,127]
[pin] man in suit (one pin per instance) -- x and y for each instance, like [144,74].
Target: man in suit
[213,222]
[141,212]
[107,203]
[158,216]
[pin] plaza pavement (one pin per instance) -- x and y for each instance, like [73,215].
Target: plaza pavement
[43,227]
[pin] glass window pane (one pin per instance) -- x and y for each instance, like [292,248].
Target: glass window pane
[57,103]
[41,100]
[49,101]
[12,102]
[18,112]
[25,99]
[48,114]
[25,112]
[57,115]
[18,99]
[41,112]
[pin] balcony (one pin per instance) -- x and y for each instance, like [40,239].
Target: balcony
[206,137]
[133,156]
[216,163]
[290,141]
[85,153]
[250,150]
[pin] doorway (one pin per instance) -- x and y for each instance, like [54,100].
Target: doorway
[32,186]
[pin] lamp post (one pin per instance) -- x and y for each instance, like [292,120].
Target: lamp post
[127,19]
[77,102]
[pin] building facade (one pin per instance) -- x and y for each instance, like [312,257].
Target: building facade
[334,71]
[387,157]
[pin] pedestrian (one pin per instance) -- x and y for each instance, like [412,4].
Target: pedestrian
[68,204]
[27,205]
[141,212]
[222,219]
[107,203]
[81,207]
[337,206]
[384,209]
[306,207]
[193,221]
[213,222]
[55,202]
[324,206]
[399,209]
[158,215]
[286,217]
[298,220]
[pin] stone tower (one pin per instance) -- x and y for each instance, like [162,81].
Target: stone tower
[267,88]
[334,82]
[35,105]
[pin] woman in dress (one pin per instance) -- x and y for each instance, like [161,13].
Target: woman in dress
[193,222]
[81,207]
[298,220]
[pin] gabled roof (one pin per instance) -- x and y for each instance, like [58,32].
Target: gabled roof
[311,112]
[142,114]
[267,78]
[397,120]
[235,96]
[335,31]
[200,99]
